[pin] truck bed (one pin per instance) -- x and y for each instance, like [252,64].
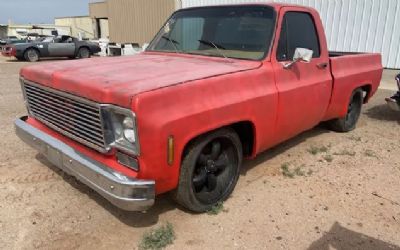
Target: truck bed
[349,71]
[340,53]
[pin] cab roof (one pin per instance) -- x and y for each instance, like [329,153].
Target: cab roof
[276,6]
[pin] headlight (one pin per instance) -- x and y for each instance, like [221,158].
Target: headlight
[129,129]
[121,130]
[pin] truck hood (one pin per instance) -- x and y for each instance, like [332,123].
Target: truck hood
[116,80]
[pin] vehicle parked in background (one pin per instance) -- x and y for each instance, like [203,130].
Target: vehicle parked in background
[216,85]
[11,40]
[394,101]
[33,37]
[64,46]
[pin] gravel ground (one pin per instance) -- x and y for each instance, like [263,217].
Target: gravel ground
[345,198]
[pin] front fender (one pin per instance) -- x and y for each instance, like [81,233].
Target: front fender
[188,110]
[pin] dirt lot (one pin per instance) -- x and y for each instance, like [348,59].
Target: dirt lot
[345,194]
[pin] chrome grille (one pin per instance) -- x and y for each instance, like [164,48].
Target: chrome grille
[72,116]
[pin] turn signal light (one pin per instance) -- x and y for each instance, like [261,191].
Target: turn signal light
[171,149]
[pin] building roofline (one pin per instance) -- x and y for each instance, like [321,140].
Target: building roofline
[36,25]
[62,17]
[99,2]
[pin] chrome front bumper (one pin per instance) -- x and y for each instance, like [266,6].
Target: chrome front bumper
[122,191]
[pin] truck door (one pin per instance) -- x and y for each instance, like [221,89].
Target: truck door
[305,88]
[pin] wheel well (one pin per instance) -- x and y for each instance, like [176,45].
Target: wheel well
[38,51]
[84,46]
[245,131]
[367,90]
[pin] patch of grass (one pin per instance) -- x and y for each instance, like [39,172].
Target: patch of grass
[158,238]
[354,138]
[370,153]
[286,171]
[299,172]
[314,150]
[216,209]
[345,152]
[328,158]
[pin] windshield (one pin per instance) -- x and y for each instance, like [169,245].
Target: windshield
[243,32]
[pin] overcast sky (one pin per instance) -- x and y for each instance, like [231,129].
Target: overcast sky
[41,11]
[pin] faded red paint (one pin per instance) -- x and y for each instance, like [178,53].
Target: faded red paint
[186,96]
[117,79]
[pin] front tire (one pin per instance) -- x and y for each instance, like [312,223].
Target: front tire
[31,55]
[209,170]
[349,122]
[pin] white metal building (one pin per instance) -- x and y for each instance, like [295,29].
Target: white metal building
[21,30]
[81,26]
[350,25]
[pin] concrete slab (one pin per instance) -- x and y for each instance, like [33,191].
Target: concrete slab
[388,82]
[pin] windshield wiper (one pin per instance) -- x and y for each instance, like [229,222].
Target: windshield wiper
[173,42]
[214,45]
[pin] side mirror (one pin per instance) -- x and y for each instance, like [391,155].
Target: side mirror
[300,55]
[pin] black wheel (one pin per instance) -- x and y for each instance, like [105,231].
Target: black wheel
[83,53]
[209,170]
[349,122]
[31,55]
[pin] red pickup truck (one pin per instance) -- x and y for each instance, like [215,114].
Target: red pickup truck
[216,85]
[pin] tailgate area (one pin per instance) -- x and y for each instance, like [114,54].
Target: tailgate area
[349,72]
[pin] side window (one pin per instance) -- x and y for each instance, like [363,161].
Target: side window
[298,31]
[282,53]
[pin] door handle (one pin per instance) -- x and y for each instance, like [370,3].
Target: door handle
[322,65]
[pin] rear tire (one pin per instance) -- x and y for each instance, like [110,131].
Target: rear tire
[31,55]
[209,170]
[349,122]
[83,53]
